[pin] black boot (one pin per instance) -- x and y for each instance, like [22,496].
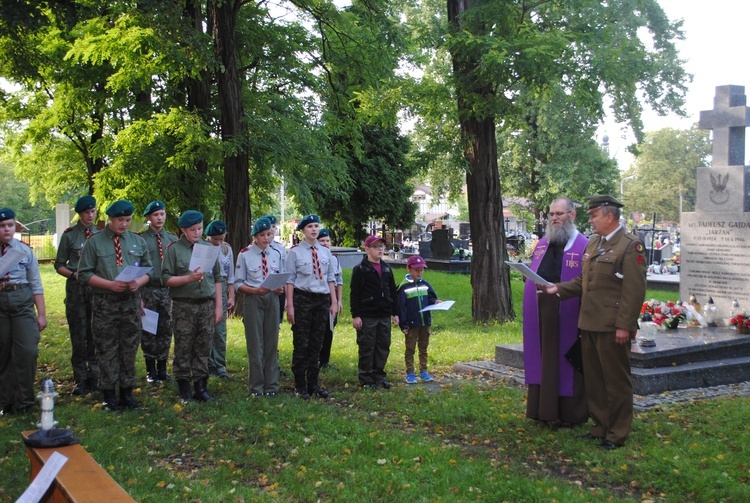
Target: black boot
[151,370]
[80,388]
[161,371]
[127,400]
[317,390]
[110,400]
[184,389]
[201,394]
[300,387]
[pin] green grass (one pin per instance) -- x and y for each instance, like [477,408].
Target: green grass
[460,438]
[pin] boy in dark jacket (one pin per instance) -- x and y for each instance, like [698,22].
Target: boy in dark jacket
[414,294]
[373,302]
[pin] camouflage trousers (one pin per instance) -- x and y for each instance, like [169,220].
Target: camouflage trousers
[116,323]
[193,321]
[156,346]
[78,312]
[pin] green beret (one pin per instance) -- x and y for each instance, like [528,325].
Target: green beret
[262,224]
[85,203]
[154,206]
[271,218]
[307,220]
[7,214]
[603,200]
[189,219]
[216,228]
[121,208]
[324,233]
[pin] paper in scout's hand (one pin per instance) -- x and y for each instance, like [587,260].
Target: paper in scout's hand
[528,273]
[10,260]
[132,272]
[443,306]
[203,257]
[150,321]
[275,281]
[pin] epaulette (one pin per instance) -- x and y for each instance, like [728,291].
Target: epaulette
[68,229]
[170,244]
[294,246]
[244,249]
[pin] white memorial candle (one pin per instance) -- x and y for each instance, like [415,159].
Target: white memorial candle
[48,406]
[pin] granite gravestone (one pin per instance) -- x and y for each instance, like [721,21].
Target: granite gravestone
[715,237]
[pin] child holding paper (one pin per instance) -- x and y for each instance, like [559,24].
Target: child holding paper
[414,294]
[261,309]
[196,307]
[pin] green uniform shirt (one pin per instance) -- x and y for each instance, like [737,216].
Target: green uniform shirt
[153,249]
[98,256]
[71,244]
[176,263]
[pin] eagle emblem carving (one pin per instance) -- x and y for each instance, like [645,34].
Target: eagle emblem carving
[719,193]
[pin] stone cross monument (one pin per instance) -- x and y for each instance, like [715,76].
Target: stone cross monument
[715,238]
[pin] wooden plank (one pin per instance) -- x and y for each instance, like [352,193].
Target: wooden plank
[81,479]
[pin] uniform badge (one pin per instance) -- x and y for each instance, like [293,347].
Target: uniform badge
[586,255]
[640,259]
[639,247]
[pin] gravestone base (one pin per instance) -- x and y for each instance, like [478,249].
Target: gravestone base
[453,266]
[688,357]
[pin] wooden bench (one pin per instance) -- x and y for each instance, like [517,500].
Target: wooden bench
[81,479]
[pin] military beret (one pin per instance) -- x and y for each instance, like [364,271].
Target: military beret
[7,214]
[121,208]
[271,218]
[603,200]
[324,233]
[154,206]
[216,228]
[189,219]
[307,220]
[85,203]
[262,224]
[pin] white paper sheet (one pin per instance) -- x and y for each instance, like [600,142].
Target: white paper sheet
[132,272]
[35,492]
[11,259]
[443,306]
[204,257]
[528,273]
[275,281]
[150,321]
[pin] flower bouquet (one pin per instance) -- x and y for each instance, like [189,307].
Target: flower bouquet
[742,322]
[667,315]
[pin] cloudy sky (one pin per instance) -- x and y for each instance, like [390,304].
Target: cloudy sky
[715,48]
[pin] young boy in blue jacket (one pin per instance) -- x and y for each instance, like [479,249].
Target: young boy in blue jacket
[414,294]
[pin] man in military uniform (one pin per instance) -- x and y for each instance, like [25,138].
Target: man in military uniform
[20,292]
[78,297]
[310,302]
[196,307]
[612,286]
[156,296]
[116,304]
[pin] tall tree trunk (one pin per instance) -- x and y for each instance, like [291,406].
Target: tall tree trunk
[490,277]
[236,208]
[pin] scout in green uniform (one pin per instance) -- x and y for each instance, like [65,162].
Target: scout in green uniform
[78,297]
[117,307]
[156,296]
[20,291]
[612,286]
[196,307]
[216,233]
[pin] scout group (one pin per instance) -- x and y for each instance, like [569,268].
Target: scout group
[104,310]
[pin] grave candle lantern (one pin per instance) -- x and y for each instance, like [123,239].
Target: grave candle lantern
[47,404]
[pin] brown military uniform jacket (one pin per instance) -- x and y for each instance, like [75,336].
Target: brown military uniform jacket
[612,284]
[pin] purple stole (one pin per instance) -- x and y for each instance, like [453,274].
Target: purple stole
[532,354]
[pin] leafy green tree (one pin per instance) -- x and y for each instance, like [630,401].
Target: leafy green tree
[664,169]
[499,50]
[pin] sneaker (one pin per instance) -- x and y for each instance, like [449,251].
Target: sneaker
[411,379]
[425,376]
